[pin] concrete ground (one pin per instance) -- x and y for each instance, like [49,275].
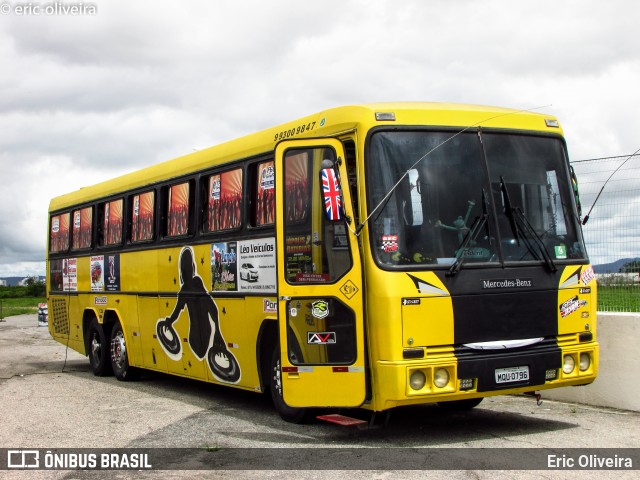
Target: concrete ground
[49,399]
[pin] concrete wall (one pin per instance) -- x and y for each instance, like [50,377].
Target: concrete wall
[618,382]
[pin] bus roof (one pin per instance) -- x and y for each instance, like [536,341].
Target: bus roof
[322,124]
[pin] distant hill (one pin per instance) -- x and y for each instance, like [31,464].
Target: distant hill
[14,281]
[613,267]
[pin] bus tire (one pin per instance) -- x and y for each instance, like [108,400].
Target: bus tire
[119,357]
[98,350]
[287,413]
[460,405]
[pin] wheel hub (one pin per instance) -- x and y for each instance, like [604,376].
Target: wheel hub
[95,347]
[119,350]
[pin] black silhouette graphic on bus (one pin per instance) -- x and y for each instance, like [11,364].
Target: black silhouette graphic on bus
[205,337]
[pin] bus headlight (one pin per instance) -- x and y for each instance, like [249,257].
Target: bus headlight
[417,380]
[585,361]
[441,378]
[568,364]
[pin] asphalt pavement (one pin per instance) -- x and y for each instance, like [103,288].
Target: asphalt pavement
[51,402]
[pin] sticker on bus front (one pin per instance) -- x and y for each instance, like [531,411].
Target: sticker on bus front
[320,309]
[348,289]
[321,338]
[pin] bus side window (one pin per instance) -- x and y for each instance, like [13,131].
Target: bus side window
[264,194]
[224,201]
[317,248]
[82,228]
[142,217]
[110,223]
[178,210]
[59,234]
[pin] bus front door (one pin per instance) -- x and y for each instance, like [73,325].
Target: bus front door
[320,307]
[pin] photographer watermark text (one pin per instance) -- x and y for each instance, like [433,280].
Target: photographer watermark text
[36,9]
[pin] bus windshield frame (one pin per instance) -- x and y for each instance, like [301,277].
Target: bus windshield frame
[482,197]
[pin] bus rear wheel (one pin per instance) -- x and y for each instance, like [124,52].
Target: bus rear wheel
[460,405]
[287,413]
[119,358]
[98,350]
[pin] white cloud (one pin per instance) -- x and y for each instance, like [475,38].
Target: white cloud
[89,97]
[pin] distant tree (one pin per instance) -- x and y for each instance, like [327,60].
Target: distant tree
[35,287]
[631,267]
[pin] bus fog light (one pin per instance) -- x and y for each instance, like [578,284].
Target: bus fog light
[441,378]
[466,383]
[585,361]
[417,380]
[568,364]
[551,374]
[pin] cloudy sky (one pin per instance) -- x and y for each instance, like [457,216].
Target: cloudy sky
[130,83]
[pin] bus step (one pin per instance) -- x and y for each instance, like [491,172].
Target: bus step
[343,420]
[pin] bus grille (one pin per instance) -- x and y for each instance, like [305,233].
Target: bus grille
[60,317]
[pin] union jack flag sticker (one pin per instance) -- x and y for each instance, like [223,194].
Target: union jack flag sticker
[331,192]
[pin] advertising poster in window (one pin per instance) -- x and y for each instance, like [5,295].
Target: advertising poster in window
[55,275]
[112,273]
[257,265]
[224,267]
[113,222]
[59,233]
[142,217]
[82,220]
[178,214]
[215,189]
[297,187]
[225,200]
[70,275]
[97,273]
[340,237]
[298,249]
[265,208]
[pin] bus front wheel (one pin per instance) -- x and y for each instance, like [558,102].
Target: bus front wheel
[287,413]
[119,358]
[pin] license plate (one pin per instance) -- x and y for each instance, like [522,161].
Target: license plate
[512,374]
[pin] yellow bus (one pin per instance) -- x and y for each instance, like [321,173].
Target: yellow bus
[370,257]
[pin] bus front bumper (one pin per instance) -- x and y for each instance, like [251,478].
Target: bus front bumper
[482,374]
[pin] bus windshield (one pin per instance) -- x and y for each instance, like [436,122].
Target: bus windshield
[476,197]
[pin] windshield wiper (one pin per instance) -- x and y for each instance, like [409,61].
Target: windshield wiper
[525,225]
[508,209]
[522,229]
[478,223]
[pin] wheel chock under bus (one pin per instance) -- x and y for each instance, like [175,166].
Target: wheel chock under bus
[344,421]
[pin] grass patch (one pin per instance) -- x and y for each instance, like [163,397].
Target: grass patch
[19,306]
[619,298]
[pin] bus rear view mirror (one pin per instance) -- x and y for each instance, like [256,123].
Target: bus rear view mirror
[413,216]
